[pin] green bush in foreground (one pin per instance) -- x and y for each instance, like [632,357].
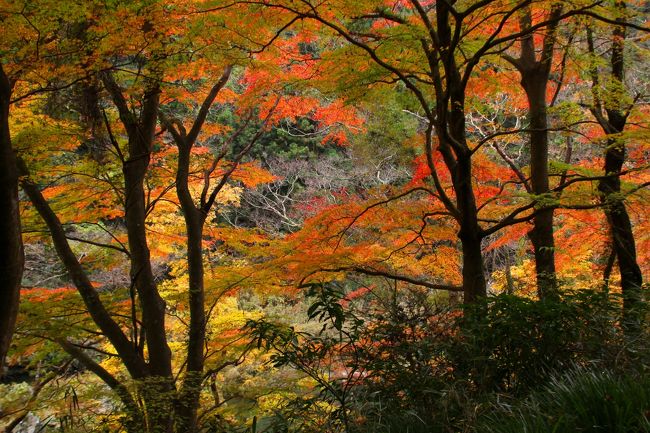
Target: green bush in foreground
[581,401]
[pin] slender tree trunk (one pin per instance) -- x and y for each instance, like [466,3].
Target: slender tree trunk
[12,259]
[622,236]
[190,391]
[535,75]
[153,307]
[541,236]
[158,390]
[612,116]
[458,158]
[194,219]
[470,234]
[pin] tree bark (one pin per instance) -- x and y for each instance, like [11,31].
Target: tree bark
[194,220]
[140,131]
[158,389]
[190,391]
[541,236]
[474,284]
[612,117]
[623,242]
[12,259]
[535,75]
[451,132]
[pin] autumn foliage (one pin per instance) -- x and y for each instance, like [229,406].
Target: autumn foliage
[304,216]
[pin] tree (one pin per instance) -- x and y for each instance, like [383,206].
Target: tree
[535,76]
[434,49]
[11,252]
[611,108]
[26,68]
[152,372]
[135,74]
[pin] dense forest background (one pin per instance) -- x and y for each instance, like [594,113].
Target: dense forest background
[333,216]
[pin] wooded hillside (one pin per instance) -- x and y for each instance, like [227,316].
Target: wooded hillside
[333,216]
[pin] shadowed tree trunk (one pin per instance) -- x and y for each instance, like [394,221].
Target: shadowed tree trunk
[195,216]
[158,390]
[612,115]
[452,144]
[535,75]
[12,258]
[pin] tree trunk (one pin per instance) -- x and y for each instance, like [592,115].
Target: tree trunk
[458,158]
[158,390]
[474,284]
[535,75]
[190,391]
[470,233]
[534,83]
[189,395]
[12,259]
[622,236]
[623,243]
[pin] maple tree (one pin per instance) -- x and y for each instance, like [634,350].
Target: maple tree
[12,250]
[246,191]
[535,75]
[146,353]
[434,50]
[616,112]
[155,371]
[28,52]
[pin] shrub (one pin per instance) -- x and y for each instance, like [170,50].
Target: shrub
[512,344]
[580,401]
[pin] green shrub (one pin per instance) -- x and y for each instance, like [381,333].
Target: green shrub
[581,401]
[512,344]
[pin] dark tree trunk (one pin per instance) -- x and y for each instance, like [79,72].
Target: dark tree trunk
[535,75]
[158,390]
[612,116]
[458,158]
[190,391]
[622,236]
[470,233]
[541,236]
[474,284]
[194,220]
[12,259]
